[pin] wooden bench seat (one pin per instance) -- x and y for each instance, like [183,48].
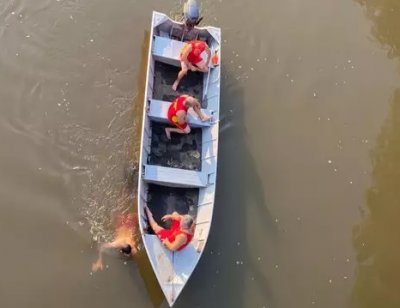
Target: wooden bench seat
[174,177]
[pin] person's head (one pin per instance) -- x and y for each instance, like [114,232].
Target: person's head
[127,249]
[186,221]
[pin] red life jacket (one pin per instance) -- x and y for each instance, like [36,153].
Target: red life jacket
[177,105]
[173,232]
[194,55]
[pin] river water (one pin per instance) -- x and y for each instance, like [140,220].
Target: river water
[308,201]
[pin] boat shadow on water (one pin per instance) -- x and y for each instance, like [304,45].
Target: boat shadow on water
[230,263]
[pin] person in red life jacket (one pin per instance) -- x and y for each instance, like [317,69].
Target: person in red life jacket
[124,239]
[177,114]
[191,59]
[180,233]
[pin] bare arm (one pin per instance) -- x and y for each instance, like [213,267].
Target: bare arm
[197,108]
[179,241]
[99,263]
[174,215]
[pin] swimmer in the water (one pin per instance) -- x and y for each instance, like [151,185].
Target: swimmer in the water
[124,239]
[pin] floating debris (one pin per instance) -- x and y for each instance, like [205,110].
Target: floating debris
[330,280]
[315,94]
[329,162]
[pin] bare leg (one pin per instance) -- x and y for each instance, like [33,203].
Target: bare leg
[181,74]
[200,114]
[169,130]
[202,66]
[154,225]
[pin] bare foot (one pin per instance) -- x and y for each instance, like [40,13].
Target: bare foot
[175,85]
[168,133]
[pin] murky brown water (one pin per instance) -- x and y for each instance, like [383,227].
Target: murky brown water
[308,204]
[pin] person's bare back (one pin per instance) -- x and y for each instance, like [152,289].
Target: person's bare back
[124,239]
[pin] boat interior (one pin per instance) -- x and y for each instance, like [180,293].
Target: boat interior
[179,174]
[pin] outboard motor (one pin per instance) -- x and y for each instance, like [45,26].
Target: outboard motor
[191,14]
